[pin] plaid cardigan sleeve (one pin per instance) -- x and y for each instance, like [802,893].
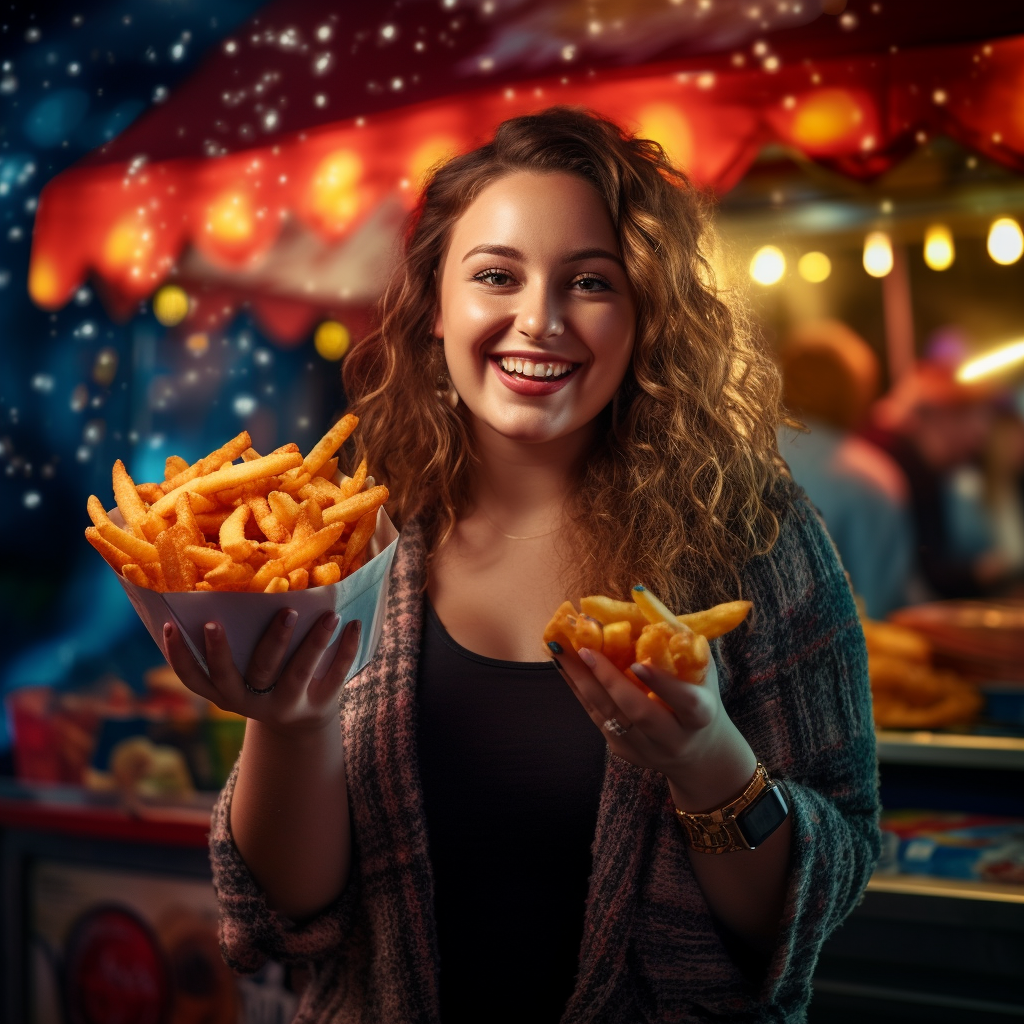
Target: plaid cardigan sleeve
[798,690]
[250,931]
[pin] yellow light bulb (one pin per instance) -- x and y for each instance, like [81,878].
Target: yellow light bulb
[170,305]
[938,247]
[814,267]
[1005,241]
[877,254]
[768,265]
[331,340]
[991,362]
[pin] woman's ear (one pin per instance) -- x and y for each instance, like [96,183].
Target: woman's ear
[438,324]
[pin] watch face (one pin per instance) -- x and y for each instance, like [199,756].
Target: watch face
[763,816]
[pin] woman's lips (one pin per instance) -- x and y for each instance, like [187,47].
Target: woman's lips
[525,386]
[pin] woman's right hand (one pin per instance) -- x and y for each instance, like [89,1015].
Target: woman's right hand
[296,702]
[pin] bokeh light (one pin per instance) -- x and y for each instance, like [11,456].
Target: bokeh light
[939,252]
[990,363]
[331,340]
[814,267]
[768,265]
[170,305]
[878,254]
[1005,241]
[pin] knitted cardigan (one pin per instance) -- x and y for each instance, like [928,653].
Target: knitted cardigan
[795,684]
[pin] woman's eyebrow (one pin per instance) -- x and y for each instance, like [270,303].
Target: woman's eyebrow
[510,253]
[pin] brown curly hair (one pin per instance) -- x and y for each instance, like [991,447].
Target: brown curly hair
[680,490]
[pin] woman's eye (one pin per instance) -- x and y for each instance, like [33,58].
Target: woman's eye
[588,283]
[498,278]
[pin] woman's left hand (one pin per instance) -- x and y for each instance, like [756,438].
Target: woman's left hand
[687,735]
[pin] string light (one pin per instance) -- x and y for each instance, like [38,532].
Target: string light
[991,362]
[1005,241]
[768,265]
[939,252]
[877,254]
[331,340]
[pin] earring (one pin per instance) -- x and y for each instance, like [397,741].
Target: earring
[446,390]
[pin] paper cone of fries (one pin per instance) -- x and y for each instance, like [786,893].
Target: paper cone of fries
[362,595]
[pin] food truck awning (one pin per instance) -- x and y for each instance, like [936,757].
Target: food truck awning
[279,174]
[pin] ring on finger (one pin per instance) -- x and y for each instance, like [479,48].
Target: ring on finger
[260,693]
[616,728]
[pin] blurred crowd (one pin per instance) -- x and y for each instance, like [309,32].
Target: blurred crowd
[922,489]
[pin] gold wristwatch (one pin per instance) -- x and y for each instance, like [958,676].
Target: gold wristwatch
[742,824]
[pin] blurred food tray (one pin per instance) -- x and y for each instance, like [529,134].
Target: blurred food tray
[950,750]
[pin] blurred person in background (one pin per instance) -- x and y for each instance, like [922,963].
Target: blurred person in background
[830,378]
[933,426]
[1003,464]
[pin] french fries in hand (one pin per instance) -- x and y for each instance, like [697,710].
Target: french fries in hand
[644,630]
[266,523]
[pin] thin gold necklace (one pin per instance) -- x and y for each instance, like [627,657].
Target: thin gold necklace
[511,536]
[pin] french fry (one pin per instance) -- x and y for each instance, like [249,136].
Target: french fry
[132,508]
[322,491]
[298,579]
[185,518]
[322,575]
[354,508]
[173,465]
[180,570]
[607,610]
[206,558]
[284,507]
[329,443]
[296,555]
[114,556]
[361,535]
[278,585]
[227,452]
[233,541]
[261,512]
[233,476]
[149,492]
[211,522]
[140,550]
[328,469]
[134,574]
[229,574]
[355,483]
[308,520]
[717,621]
[653,609]
[618,644]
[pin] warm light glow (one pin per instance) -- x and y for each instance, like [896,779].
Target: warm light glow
[938,247]
[991,362]
[429,155]
[197,343]
[331,340]
[229,217]
[877,254]
[335,188]
[1005,241]
[768,265]
[43,284]
[668,126]
[129,242]
[825,117]
[170,305]
[814,267]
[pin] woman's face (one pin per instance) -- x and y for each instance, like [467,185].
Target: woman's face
[535,308]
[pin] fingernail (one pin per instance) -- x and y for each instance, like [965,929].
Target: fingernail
[211,628]
[639,586]
[555,646]
[330,620]
[291,616]
[587,656]
[167,629]
[558,664]
[642,672]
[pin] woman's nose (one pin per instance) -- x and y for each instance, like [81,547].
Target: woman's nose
[539,315]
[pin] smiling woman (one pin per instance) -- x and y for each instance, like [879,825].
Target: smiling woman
[561,404]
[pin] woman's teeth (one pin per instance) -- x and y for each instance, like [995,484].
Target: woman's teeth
[526,368]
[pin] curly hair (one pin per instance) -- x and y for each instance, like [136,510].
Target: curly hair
[680,490]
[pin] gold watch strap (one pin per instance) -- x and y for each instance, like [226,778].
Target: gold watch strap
[717,831]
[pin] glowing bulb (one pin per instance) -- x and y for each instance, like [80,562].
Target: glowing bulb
[1005,241]
[814,267]
[331,340]
[768,265]
[877,254]
[938,247]
[991,362]
[170,305]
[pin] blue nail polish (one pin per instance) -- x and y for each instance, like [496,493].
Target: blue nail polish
[555,646]
[639,586]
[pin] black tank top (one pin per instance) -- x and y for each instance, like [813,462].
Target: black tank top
[511,767]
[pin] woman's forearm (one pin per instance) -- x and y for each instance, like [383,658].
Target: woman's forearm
[289,816]
[745,889]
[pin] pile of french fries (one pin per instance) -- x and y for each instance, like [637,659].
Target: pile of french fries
[266,524]
[644,630]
